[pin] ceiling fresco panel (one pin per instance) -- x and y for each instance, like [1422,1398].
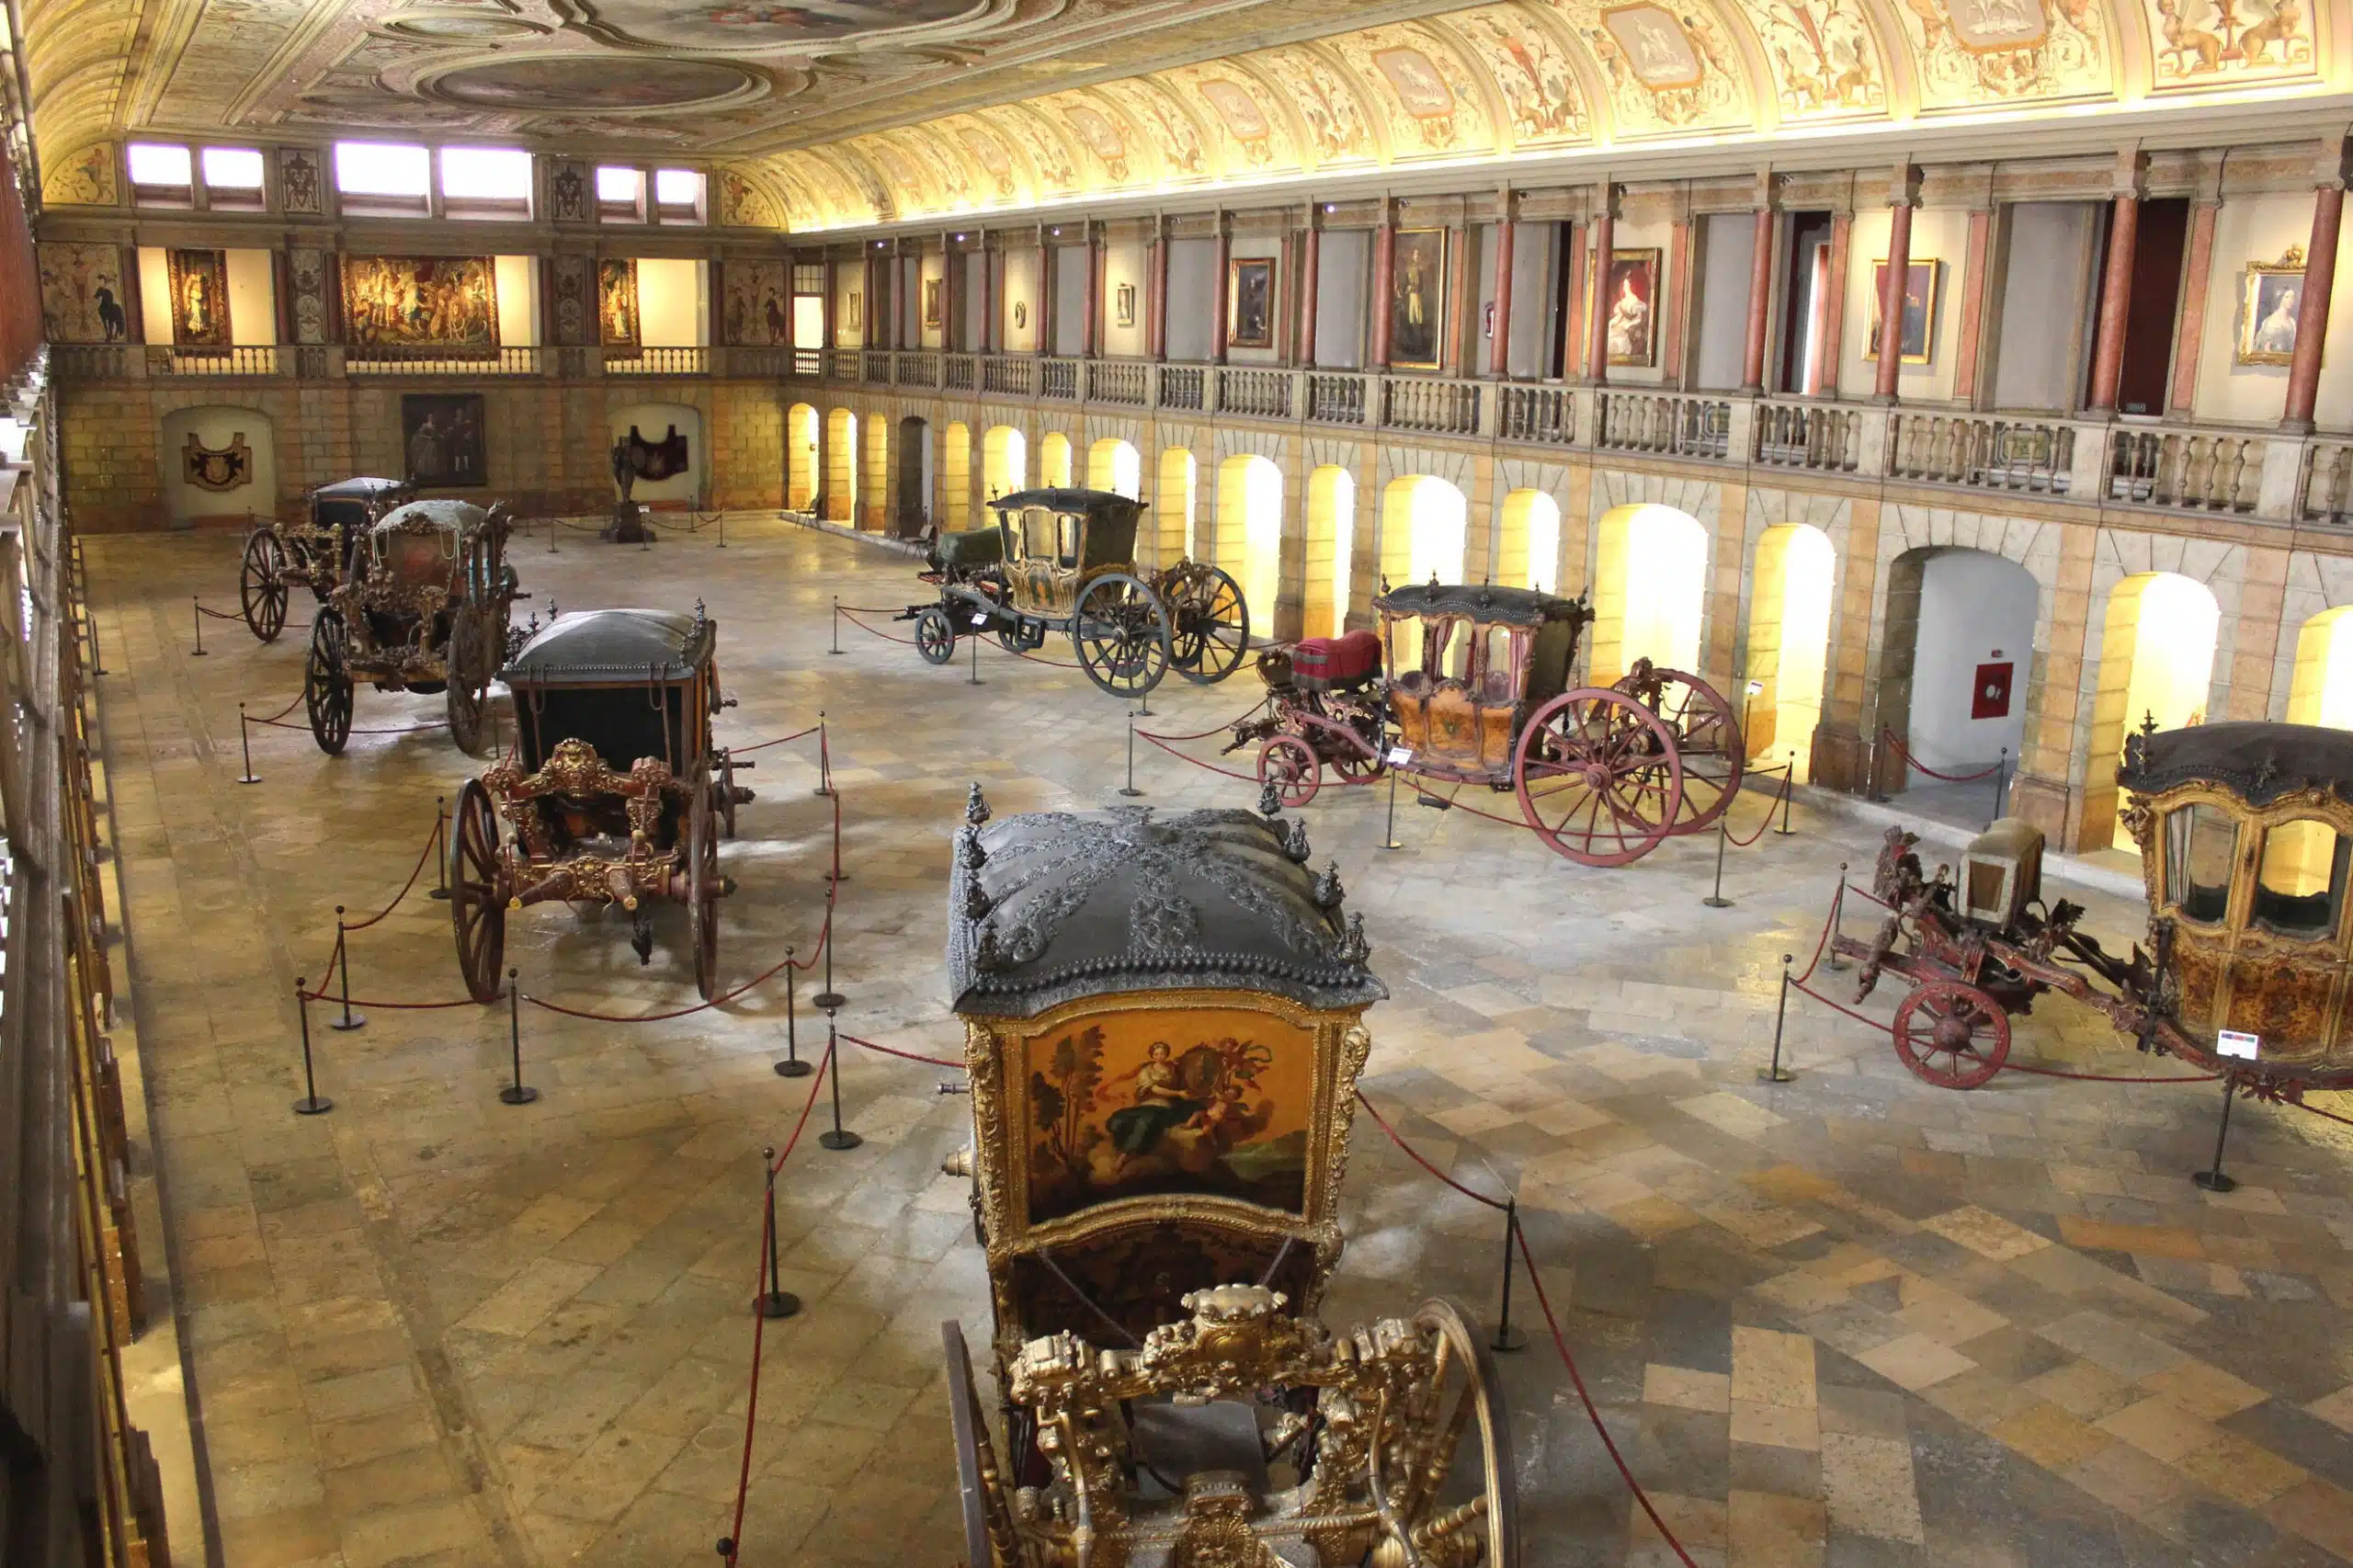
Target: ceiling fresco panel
[1340,129]
[1667,71]
[1974,54]
[1252,135]
[1185,150]
[2229,43]
[1532,74]
[1823,57]
[1435,104]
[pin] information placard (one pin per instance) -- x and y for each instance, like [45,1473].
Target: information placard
[2232,1042]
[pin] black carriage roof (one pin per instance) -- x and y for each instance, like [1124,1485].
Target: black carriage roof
[2257,762]
[605,645]
[1059,904]
[1481,602]
[1091,503]
[359,489]
[458,517]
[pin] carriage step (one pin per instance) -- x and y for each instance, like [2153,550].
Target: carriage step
[1433,803]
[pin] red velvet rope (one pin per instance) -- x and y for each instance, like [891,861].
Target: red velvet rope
[430,840]
[763,745]
[1945,778]
[1415,1156]
[874,631]
[1778,796]
[904,1055]
[409,730]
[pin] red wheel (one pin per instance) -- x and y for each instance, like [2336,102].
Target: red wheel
[1707,736]
[1290,763]
[1952,1035]
[1599,776]
[1354,766]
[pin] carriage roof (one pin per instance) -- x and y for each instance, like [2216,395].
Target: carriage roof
[358,488]
[448,516]
[1481,602]
[1064,905]
[1090,503]
[2257,762]
[599,647]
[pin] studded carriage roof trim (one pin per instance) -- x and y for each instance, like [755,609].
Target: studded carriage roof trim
[1052,905]
[590,645]
[459,517]
[358,488]
[1482,602]
[2257,762]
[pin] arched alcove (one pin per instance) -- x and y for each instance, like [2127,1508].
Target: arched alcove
[1005,461]
[1959,647]
[1250,530]
[874,484]
[1179,474]
[802,463]
[2156,663]
[1530,545]
[1330,541]
[1115,465]
[956,473]
[1424,524]
[841,466]
[911,509]
[1789,642]
[656,422]
[1650,581]
[230,468]
[1054,461]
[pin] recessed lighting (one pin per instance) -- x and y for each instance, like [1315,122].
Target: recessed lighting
[1329,207]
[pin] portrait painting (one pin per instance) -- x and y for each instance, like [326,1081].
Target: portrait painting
[1250,302]
[935,302]
[1124,305]
[854,314]
[442,437]
[82,296]
[757,311]
[1919,310]
[1631,329]
[616,323]
[200,298]
[1130,1105]
[1416,299]
[2272,299]
[444,300]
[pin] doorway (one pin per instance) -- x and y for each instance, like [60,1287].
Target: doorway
[912,510]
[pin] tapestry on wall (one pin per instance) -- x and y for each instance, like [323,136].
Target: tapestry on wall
[570,295]
[82,296]
[445,300]
[1416,298]
[760,307]
[442,437]
[616,324]
[221,468]
[306,277]
[199,298]
[299,186]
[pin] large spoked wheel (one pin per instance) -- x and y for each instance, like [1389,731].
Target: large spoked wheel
[261,586]
[1290,764]
[988,1514]
[703,887]
[1599,776]
[1952,1035]
[1708,738]
[725,794]
[326,683]
[477,912]
[1120,630]
[467,695]
[1441,1472]
[1211,625]
[935,638]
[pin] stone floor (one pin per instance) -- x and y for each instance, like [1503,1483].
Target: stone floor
[1851,1321]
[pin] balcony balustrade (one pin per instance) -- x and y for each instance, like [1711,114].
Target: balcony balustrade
[1669,424]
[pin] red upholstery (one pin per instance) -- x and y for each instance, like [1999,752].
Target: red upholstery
[1330,660]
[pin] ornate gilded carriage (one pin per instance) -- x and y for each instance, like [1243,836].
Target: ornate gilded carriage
[314,553]
[426,607]
[1064,559]
[613,795]
[1163,1028]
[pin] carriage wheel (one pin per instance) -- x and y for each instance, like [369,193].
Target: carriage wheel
[326,683]
[1212,626]
[1952,1035]
[1290,764]
[1457,1502]
[702,888]
[1356,766]
[726,795]
[987,1512]
[1599,776]
[1707,737]
[476,915]
[261,586]
[1120,630]
[935,638]
[466,693]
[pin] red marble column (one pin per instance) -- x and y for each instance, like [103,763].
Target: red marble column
[1499,350]
[1596,324]
[2115,302]
[1968,343]
[1310,255]
[2312,311]
[1674,342]
[1891,298]
[2197,278]
[1157,307]
[1090,335]
[831,326]
[1218,291]
[1761,299]
[1385,282]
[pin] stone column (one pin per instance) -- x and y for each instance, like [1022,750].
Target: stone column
[1384,283]
[1310,255]
[950,295]
[2320,280]
[2116,286]
[830,327]
[1219,301]
[1499,350]
[2197,278]
[1760,290]
[1596,326]
[1573,311]
[1904,196]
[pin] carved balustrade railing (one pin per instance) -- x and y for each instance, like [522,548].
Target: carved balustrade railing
[1263,394]
[915,369]
[1334,398]
[1009,377]
[1669,424]
[1058,379]
[2186,469]
[1124,382]
[960,372]
[1537,413]
[657,361]
[1182,386]
[1431,404]
[1982,451]
[1825,438]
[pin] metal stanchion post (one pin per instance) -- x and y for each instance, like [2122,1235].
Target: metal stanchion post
[1389,836]
[824,758]
[350,1020]
[973,637]
[196,606]
[829,998]
[1717,900]
[515,1093]
[836,648]
[1830,959]
[550,536]
[775,1302]
[791,1066]
[1777,1074]
[2214,1180]
[1129,790]
[722,530]
[441,848]
[2001,786]
[245,745]
[310,1104]
[1871,791]
[1789,778]
[1508,1338]
[836,1139]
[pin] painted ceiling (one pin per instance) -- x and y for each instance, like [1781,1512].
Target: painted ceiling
[824,113]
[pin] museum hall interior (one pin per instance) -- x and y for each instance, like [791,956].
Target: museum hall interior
[1175,784]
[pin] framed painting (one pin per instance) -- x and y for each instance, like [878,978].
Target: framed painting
[2271,300]
[854,314]
[1919,310]
[757,308]
[935,302]
[199,298]
[616,323]
[1417,298]
[443,301]
[1124,305]
[1631,329]
[442,437]
[1250,302]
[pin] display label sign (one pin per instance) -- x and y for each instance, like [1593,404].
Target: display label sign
[1400,755]
[980,620]
[2230,1042]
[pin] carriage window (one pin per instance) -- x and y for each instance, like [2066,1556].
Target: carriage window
[2301,885]
[1499,669]
[1462,641]
[1038,533]
[2201,842]
[1067,549]
[1438,645]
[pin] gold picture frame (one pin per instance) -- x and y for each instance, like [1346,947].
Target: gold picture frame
[1124,305]
[1416,303]
[1250,302]
[2271,298]
[1630,320]
[933,302]
[1919,331]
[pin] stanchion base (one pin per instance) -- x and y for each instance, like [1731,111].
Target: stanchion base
[314,1105]
[1390,845]
[1776,1075]
[441,893]
[1508,1339]
[1712,902]
[249,779]
[827,1001]
[517,1094]
[839,1141]
[793,1067]
[2215,1181]
[1130,790]
[777,1305]
[357,1021]
[822,793]
[1785,832]
[199,653]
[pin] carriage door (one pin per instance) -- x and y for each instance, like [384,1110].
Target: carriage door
[911,498]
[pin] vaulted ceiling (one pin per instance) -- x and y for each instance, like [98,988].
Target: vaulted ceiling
[830,112]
